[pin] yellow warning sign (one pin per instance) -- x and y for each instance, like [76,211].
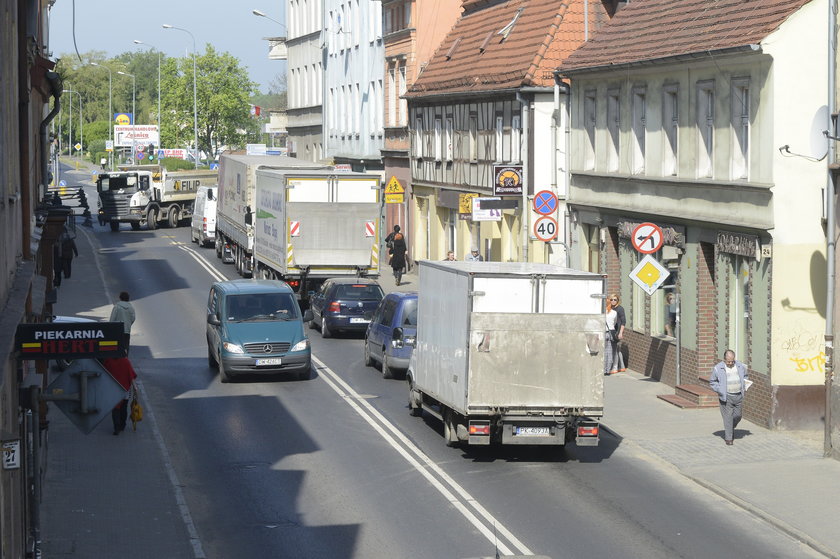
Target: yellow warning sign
[394,187]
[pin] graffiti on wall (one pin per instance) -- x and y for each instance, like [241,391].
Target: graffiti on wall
[804,350]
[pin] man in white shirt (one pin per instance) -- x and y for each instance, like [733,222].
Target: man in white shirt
[729,379]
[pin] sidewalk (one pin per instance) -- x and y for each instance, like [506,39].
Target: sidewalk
[107,496]
[777,475]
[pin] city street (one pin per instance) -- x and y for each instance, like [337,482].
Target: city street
[333,466]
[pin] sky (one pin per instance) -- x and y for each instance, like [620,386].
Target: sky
[110,26]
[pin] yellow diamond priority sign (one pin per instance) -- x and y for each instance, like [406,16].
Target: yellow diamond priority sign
[649,274]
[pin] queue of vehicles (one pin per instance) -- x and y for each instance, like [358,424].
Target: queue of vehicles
[505,353]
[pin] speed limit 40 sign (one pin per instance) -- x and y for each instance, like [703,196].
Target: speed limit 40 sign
[545,228]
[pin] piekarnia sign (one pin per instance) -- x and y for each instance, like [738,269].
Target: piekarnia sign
[75,341]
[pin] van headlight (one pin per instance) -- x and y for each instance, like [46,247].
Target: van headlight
[232,348]
[301,345]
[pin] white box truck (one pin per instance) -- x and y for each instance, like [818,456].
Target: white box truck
[314,225]
[236,203]
[509,352]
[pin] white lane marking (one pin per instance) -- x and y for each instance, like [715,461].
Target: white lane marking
[353,399]
[201,261]
[183,508]
[372,413]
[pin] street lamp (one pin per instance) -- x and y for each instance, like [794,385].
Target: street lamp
[139,42]
[133,115]
[195,95]
[266,16]
[81,122]
[110,114]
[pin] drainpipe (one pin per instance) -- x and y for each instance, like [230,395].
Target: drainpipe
[830,229]
[526,112]
[55,90]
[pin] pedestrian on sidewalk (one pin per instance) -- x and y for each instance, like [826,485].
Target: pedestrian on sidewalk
[123,311]
[123,372]
[474,256]
[68,250]
[450,256]
[729,380]
[397,252]
[615,319]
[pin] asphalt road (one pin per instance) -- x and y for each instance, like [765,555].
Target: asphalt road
[336,467]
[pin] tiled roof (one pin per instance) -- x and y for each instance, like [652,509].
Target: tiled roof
[646,30]
[475,57]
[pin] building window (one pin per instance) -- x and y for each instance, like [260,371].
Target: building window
[447,139]
[403,103]
[500,134]
[705,128]
[613,129]
[473,138]
[418,137]
[515,139]
[740,129]
[589,107]
[438,140]
[739,271]
[671,127]
[639,130]
[451,228]
[392,95]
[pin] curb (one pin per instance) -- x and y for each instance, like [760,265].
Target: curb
[737,501]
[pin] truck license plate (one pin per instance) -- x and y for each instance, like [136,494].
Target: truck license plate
[273,361]
[539,431]
[359,321]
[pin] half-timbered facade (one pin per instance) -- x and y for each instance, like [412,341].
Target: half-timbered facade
[487,110]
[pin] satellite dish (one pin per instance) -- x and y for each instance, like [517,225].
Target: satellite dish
[819,142]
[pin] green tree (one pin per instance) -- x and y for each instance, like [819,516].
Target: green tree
[223,93]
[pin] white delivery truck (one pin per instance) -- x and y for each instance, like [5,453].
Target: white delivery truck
[236,203]
[148,195]
[314,225]
[509,352]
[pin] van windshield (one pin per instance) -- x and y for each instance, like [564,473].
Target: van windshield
[262,306]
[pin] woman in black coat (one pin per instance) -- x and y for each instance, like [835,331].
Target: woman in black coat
[397,252]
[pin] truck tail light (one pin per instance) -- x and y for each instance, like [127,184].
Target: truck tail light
[587,431]
[334,307]
[204,225]
[479,428]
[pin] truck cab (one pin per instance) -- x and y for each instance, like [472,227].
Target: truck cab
[123,197]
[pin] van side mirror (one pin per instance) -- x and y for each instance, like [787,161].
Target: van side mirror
[213,320]
[307,315]
[398,334]
[249,217]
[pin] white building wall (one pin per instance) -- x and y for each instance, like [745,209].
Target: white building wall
[353,79]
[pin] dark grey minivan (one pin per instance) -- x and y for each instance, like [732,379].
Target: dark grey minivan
[256,327]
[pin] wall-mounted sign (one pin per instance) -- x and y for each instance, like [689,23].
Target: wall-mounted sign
[483,214]
[11,454]
[507,180]
[73,341]
[737,243]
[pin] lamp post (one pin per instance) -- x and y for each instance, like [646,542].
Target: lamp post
[133,116]
[81,123]
[195,95]
[110,114]
[139,42]
[266,16]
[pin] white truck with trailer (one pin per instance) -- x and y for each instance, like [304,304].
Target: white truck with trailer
[236,203]
[509,352]
[314,225]
[148,195]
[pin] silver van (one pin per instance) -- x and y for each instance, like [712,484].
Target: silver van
[203,228]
